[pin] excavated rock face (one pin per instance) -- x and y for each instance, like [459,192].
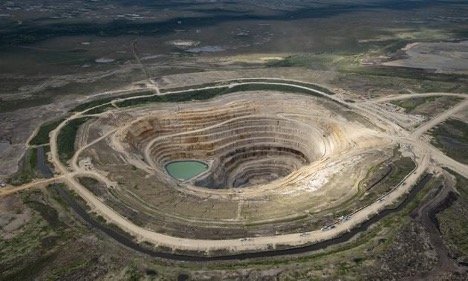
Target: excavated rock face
[243,150]
[245,142]
[278,161]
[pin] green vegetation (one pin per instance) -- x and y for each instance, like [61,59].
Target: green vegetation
[76,265]
[410,104]
[401,168]
[286,62]
[27,170]
[303,84]
[189,93]
[42,136]
[453,221]
[132,273]
[403,72]
[362,251]
[12,105]
[310,61]
[265,87]
[350,64]
[33,248]
[368,82]
[189,87]
[92,185]
[66,138]
[187,96]
[427,105]
[91,104]
[103,101]
[51,59]
[365,248]
[100,109]
[378,181]
[19,254]
[204,94]
[452,138]
[49,246]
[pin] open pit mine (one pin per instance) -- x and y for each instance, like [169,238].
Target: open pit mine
[236,168]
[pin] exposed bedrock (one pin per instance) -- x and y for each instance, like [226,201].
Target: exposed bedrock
[242,151]
[245,139]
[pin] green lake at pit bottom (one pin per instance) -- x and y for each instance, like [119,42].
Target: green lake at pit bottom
[185,170]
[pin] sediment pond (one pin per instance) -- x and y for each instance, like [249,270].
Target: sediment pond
[185,170]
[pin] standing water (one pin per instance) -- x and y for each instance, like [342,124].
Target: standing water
[185,170]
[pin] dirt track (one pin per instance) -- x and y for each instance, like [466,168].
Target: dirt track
[439,119]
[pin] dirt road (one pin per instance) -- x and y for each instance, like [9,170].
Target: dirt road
[35,184]
[439,119]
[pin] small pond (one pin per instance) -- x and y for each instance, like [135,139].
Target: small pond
[185,170]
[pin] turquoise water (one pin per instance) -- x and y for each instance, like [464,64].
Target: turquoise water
[185,170]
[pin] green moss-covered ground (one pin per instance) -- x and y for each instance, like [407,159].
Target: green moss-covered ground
[27,169]
[42,136]
[453,221]
[452,138]
[66,138]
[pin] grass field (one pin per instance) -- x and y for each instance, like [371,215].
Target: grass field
[27,169]
[452,138]
[66,138]
[453,221]
[204,94]
[42,136]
